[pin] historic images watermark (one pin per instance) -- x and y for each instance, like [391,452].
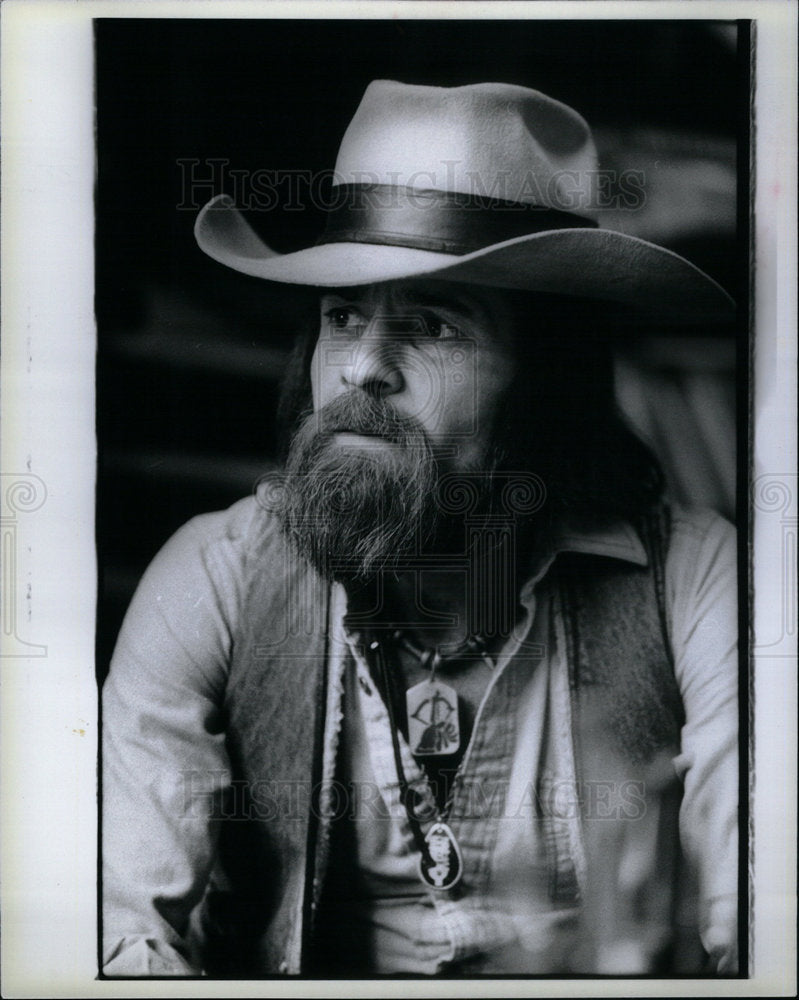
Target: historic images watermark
[212,795]
[22,494]
[775,502]
[296,190]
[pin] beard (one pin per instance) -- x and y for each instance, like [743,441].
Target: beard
[355,511]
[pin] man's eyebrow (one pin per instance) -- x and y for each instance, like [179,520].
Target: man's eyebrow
[464,304]
[342,293]
[432,298]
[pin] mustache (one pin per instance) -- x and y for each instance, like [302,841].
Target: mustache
[357,412]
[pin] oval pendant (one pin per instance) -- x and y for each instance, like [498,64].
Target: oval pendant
[441,865]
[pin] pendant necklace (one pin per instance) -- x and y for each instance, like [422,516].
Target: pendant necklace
[432,706]
[433,728]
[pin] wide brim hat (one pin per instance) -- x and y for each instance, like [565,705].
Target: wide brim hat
[489,184]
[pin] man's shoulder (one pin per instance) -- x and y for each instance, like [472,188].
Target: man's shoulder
[695,530]
[698,520]
[244,524]
[668,527]
[206,569]
[221,547]
[701,566]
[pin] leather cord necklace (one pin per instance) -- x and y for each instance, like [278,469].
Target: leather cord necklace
[440,859]
[439,656]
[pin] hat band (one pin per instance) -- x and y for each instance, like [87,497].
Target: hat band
[444,221]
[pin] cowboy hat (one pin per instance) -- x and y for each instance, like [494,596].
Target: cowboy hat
[490,184]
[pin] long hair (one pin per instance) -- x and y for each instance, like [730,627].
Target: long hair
[294,400]
[559,419]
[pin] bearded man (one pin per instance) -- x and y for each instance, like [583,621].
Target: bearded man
[455,693]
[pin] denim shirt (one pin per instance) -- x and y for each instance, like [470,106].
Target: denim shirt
[506,921]
[530,890]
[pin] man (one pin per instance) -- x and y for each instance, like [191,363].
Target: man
[456,693]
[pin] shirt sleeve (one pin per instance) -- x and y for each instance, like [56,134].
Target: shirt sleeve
[701,575]
[164,763]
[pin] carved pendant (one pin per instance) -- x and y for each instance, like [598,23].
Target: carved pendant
[433,724]
[441,866]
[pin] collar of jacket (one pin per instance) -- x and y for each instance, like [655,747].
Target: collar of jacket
[616,541]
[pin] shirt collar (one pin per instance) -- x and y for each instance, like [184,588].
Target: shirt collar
[618,540]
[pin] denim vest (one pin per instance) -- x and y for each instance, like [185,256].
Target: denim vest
[627,713]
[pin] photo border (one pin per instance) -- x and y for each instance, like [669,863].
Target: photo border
[49,700]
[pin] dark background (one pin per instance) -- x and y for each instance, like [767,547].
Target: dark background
[190,354]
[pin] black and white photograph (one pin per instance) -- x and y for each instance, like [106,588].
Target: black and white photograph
[417,353]
[424,500]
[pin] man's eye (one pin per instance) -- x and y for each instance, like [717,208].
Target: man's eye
[340,317]
[439,328]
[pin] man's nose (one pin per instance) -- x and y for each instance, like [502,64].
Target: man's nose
[374,362]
